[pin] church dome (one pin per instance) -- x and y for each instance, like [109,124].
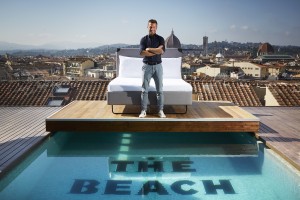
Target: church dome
[172,41]
[265,49]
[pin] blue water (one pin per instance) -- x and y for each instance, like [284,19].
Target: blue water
[152,166]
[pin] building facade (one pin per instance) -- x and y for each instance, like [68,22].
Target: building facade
[249,69]
[75,67]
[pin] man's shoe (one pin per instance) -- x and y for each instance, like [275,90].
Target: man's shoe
[161,114]
[143,114]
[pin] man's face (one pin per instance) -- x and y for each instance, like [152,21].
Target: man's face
[152,28]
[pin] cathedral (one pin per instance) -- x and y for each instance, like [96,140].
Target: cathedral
[172,41]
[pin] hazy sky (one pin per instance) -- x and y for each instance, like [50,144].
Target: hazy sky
[38,22]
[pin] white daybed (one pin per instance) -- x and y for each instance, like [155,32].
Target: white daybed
[126,88]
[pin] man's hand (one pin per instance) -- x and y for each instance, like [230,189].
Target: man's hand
[153,51]
[158,50]
[147,53]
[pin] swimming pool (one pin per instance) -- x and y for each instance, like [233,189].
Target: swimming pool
[151,166]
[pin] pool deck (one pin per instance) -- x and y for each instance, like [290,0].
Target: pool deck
[209,116]
[280,130]
[23,128]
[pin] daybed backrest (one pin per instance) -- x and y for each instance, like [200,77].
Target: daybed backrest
[129,63]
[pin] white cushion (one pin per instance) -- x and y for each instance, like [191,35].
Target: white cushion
[131,67]
[171,67]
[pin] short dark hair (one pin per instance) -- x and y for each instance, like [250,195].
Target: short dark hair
[152,21]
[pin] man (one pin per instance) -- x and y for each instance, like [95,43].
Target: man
[151,47]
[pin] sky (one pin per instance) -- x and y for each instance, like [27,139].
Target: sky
[38,22]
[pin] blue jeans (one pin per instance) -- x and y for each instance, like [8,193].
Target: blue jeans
[155,71]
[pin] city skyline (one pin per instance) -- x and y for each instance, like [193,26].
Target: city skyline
[99,22]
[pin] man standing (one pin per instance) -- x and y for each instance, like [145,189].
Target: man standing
[151,47]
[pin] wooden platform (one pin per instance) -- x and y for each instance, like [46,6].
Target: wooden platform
[280,130]
[200,117]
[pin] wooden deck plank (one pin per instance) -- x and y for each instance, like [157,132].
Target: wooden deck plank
[200,117]
[23,117]
[280,130]
[7,145]
[25,120]
[21,152]
[22,144]
[21,129]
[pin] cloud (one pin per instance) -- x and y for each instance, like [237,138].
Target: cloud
[287,33]
[245,27]
[233,27]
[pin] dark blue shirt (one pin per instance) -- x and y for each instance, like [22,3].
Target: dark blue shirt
[153,41]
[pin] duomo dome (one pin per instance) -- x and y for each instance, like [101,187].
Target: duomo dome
[172,41]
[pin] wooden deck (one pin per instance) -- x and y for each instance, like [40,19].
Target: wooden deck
[200,117]
[280,130]
[21,128]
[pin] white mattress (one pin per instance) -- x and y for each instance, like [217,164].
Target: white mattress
[120,84]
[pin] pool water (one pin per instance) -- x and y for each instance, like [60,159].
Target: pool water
[152,166]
